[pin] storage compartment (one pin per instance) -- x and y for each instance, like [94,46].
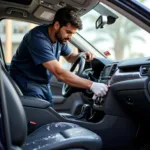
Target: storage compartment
[136,103]
[134,96]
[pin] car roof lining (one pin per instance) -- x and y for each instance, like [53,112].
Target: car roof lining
[37,7]
[24,2]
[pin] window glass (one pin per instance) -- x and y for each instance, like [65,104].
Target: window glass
[146,3]
[121,40]
[12,33]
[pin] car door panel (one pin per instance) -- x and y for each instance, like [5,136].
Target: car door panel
[61,104]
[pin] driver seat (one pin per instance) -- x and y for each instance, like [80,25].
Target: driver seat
[53,136]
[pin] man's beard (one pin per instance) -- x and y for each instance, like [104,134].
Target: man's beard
[59,38]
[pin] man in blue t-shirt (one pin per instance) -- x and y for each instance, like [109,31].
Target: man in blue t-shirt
[37,56]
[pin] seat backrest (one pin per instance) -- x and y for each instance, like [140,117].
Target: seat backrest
[17,117]
[18,90]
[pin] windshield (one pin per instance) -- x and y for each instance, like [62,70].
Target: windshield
[145,3]
[121,40]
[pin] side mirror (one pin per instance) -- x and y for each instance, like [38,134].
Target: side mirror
[102,20]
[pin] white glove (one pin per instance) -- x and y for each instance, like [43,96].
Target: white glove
[94,97]
[99,89]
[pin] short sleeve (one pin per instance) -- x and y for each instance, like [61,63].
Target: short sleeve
[39,47]
[65,50]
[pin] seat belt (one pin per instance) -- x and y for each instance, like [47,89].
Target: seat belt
[2,55]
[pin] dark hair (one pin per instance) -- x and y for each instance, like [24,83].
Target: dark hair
[68,15]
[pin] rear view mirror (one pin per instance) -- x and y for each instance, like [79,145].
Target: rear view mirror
[102,20]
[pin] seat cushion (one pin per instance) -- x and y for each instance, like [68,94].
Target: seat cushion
[62,135]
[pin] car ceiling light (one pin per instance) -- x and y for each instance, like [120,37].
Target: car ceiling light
[47,15]
[44,13]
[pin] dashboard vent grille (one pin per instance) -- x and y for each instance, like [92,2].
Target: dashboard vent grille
[144,70]
[113,69]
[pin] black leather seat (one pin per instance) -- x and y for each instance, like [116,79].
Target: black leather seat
[61,135]
[53,136]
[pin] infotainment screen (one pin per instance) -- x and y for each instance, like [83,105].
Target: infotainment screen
[106,72]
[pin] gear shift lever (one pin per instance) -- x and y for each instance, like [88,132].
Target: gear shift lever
[85,112]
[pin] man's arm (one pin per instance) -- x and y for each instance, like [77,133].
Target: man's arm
[73,80]
[99,89]
[72,57]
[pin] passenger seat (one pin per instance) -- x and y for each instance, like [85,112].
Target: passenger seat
[53,136]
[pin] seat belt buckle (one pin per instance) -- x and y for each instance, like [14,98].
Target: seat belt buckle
[31,126]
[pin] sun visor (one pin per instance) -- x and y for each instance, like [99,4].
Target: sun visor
[44,13]
[80,1]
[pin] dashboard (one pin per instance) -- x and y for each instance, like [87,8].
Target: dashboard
[114,72]
[129,82]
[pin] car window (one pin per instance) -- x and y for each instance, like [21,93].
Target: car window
[145,3]
[119,41]
[12,33]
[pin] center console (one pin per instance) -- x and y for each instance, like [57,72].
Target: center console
[84,115]
[95,112]
[106,78]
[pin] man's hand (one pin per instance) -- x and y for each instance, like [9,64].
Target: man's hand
[88,56]
[99,89]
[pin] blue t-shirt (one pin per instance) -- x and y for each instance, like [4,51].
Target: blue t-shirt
[35,49]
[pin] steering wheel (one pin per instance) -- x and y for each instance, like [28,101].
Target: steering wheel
[67,90]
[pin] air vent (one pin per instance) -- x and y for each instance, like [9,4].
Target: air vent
[144,70]
[113,69]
